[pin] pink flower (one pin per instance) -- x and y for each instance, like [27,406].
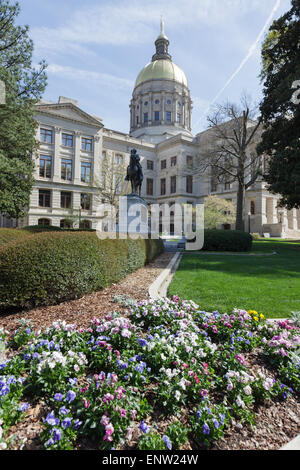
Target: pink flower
[86,403]
[109,429]
[203,393]
[241,359]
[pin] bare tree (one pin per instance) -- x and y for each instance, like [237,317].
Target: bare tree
[228,149]
[111,184]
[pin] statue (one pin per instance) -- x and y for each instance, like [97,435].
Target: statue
[135,173]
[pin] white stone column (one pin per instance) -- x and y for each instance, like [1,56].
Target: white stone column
[150,117]
[261,209]
[34,197]
[292,219]
[97,152]
[56,158]
[55,199]
[163,108]
[272,211]
[298,219]
[76,162]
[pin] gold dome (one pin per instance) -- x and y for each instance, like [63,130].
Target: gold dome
[162,70]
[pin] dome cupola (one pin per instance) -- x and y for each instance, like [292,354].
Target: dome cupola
[161,104]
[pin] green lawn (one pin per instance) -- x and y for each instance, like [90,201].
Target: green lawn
[268,284]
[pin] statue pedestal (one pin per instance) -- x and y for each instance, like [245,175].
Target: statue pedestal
[133,217]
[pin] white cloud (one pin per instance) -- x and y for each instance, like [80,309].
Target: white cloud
[136,21]
[86,76]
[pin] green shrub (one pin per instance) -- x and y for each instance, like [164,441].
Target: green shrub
[53,228]
[11,234]
[53,267]
[227,240]
[42,228]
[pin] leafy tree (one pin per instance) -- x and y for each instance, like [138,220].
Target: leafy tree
[24,86]
[218,212]
[280,107]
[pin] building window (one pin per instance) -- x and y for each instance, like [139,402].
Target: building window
[178,117]
[85,172]
[145,117]
[163,164]
[85,201]
[156,115]
[65,223]
[149,187]
[103,156]
[173,184]
[119,159]
[44,198]
[86,144]
[156,101]
[146,103]
[44,222]
[189,160]
[227,186]
[45,166]
[168,116]
[173,161]
[150,165]
[65,200]
[46,136]
[189,184]
[67,140]
[213,185]
[169,102]
[137,119]
[252,207]
[66,169]
[84,224]
[163,186]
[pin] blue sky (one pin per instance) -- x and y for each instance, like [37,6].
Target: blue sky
[96,48]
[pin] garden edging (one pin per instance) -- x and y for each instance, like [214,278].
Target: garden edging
[158,289]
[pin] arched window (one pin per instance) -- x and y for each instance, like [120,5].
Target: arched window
[252,207]
[44,222]
[85,224]
[65,223]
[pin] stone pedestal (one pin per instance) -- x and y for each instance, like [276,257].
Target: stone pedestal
[133,217]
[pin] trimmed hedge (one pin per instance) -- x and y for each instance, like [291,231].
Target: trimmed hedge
[227,240]
[11,234]
[49,268]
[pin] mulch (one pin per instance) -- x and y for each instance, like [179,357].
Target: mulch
[277,422]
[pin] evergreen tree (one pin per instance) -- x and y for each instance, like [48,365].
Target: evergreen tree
[280,107]
[24,86]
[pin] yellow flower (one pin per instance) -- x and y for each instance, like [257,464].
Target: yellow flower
[255,318]
[262,316]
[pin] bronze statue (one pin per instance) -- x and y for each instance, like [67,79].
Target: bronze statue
[135,173]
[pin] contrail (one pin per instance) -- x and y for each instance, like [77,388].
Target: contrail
[248,56]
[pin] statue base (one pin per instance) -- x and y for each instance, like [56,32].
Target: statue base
[133,217]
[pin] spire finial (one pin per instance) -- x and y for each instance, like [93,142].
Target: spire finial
[162,25]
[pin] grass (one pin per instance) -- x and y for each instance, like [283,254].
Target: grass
[268,284]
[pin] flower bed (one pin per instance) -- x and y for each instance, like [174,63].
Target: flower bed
[168,362]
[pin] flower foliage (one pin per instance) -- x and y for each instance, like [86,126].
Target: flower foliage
[107,382]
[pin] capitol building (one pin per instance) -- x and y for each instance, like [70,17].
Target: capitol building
[75,147]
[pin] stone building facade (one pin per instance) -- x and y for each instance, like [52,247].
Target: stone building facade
[74,144]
